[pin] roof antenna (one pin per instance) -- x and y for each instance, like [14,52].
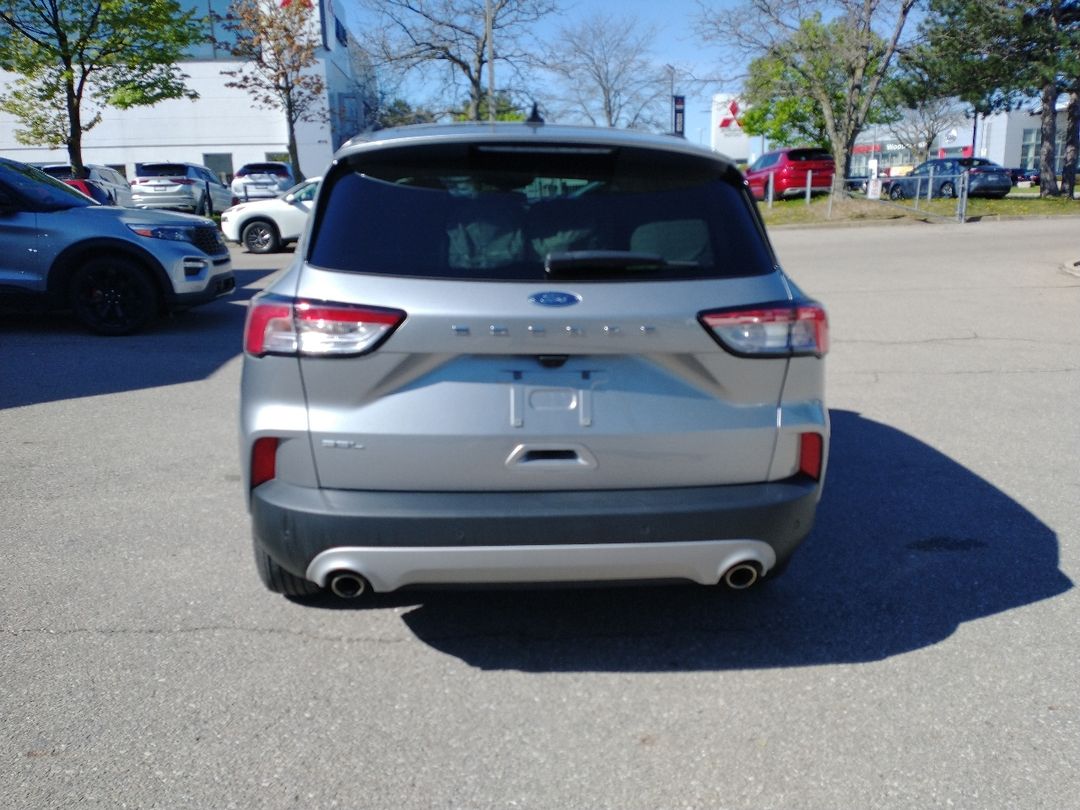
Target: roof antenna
[535,117]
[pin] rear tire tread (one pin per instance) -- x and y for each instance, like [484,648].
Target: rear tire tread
[278,580]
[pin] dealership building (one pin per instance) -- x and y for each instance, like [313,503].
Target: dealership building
[223,129]
[1011,139]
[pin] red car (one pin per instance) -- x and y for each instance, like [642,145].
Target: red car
[789,167]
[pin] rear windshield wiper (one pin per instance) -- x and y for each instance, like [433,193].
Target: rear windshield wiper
[577,263]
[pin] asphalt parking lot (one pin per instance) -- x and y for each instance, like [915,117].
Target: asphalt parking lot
[921,651]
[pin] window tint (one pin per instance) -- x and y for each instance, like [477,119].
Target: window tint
[263,168]
[161,170]
[496,212]
[39,189]
[59,172]
[800,155]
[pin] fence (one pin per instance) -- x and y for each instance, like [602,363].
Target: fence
[891,191]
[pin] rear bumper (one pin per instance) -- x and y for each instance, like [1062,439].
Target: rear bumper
[403,538]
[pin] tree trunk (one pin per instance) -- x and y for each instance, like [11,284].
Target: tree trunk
[74,144]
[1072,141]
[1048,185]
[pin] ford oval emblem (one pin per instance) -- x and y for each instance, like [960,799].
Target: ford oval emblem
[553,298]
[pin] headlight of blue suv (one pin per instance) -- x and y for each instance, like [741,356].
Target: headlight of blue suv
[175,233]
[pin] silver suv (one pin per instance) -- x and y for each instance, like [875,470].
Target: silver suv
[181,186]
[116,268]
[527,353]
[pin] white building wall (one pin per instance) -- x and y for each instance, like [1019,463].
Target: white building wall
[223,122]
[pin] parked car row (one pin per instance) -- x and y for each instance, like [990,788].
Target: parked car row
[176,185]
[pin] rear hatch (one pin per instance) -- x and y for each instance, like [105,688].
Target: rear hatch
[800,161]
[162,178]
[508,317]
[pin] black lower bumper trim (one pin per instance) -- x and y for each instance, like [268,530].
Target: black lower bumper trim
[294,524]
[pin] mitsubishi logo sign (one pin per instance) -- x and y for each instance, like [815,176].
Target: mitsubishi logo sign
[731,120]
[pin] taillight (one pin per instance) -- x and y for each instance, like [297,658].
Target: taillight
[811,455]
[183,181]
[263,460]
[774,330]
[316,328]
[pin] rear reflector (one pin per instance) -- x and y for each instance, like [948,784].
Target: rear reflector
[316,328]
[263,460]
[810,455]
[774,330]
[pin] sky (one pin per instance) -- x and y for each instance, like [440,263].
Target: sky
[674,45]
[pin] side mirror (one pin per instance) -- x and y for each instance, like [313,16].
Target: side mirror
[290,198]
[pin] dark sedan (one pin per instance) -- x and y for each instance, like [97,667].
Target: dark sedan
[1025,176]
[943,176]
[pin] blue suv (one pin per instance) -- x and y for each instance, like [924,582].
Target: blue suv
[115,268]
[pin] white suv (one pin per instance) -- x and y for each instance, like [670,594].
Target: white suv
[266,226]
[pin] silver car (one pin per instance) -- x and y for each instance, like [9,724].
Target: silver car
[179,186]
[255,181]
[523,353]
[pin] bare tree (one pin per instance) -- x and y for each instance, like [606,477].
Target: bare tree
[278,43]
[605,73]
[819,41]
[422,35]
[921,124]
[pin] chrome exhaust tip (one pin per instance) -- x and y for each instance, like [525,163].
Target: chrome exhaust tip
[347,585]
[742,576]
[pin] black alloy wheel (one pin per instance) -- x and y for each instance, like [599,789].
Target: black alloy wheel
[947,189]
[896,193]
[112,295]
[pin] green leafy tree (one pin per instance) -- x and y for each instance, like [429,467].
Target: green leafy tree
[399,113]
[505,109]
[74,58]
[779,108]
[278,43]
[995,53]
[827,52]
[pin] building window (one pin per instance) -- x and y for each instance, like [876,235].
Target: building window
[213,13]
[1032,144]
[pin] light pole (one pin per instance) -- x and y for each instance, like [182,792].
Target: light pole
[489,25]
[671,74]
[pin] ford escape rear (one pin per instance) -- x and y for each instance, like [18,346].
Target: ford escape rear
[525,353]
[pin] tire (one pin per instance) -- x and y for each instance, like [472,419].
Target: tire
[896,193]
[112,295]
[260,236]
[278,580]
[947,190]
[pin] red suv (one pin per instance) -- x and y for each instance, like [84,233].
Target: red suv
[789,167]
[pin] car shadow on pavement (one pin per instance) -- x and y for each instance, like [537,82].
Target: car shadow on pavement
[47,357]
[907,545]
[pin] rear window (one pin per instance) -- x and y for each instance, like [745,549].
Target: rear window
[801,155]
[161,170]
[263,168]
[59,172]
[509,212]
